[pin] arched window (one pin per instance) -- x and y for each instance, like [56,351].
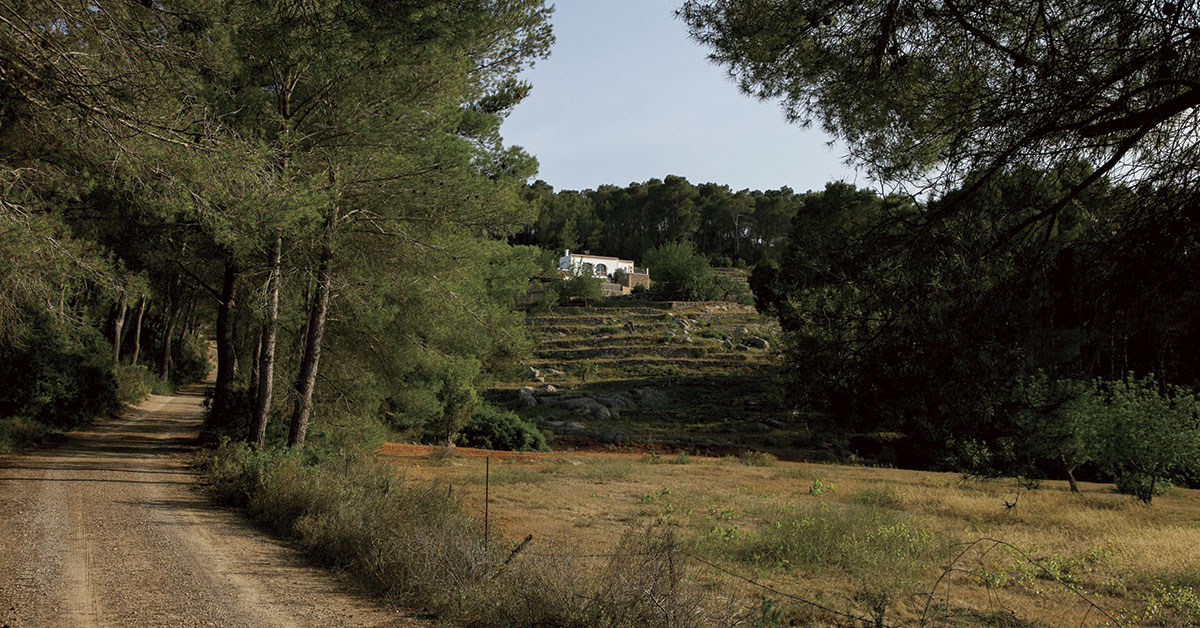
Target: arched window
[601,269]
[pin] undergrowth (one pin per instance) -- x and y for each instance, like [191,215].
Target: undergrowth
[418,546]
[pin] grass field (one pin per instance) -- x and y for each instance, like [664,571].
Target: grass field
[805,544]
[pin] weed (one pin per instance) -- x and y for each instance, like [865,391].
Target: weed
[757,459]
[817,489]
[653,497]
[21,432]
[880,496]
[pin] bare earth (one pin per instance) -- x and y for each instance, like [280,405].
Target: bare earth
[110,528]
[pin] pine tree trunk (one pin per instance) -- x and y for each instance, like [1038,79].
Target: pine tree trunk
[266,356]
[226,360]
[118,327]
[137,331]
[307,378]
[171,317]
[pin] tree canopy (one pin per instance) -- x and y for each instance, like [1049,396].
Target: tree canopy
[330,174]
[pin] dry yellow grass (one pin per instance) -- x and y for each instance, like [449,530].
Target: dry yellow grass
[1060,552]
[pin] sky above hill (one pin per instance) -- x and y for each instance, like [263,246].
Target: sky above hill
[626,96]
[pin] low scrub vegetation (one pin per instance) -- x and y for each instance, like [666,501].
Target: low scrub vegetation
[418,545]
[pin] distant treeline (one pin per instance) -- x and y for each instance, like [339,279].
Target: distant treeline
[742,228]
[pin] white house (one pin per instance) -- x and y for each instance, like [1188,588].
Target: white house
[593,265]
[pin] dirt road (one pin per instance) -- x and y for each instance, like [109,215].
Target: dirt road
[110,529]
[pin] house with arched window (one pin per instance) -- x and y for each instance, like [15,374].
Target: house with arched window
[611,269]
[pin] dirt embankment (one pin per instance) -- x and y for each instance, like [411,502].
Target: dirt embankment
[109,528]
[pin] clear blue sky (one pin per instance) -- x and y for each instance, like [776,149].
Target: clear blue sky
[626,96]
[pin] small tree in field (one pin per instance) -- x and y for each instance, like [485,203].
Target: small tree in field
[1151,433]
[1062,419]
[583,368]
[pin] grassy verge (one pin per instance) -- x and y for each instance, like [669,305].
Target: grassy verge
[417,545]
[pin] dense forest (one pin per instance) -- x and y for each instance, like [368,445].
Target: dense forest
[318,188]
[730,228]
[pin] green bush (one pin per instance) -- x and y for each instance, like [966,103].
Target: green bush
[493,428]
[1138,485]
[236,422]
[136,382]
[59,379]
[548,299]
[680,272]
[579,287]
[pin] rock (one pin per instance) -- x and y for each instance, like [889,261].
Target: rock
[651,398]
[742,347]
[683,324]
[531,373]
[586,406]
[554,372]
[758,343]
[525,394]
[755,428]
[551,388]
[539,379]
[726,344]
[618,401]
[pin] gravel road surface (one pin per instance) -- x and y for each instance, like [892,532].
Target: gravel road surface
[110,528]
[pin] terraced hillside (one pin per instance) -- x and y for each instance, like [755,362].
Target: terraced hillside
[696,376]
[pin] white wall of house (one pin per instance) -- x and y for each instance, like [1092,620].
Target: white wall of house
[600,266]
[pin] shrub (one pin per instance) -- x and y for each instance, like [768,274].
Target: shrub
[135,382]
[493,428]
[681,272]
[1138,485]
[548,299]
[418,546]
[20,432]
[757,459]
[583,288]
[59,379]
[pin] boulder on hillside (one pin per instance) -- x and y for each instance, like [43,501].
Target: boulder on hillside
[526,396]
[726,344]
[650,397]
[554,372]
[618,401]
[758,343]
[531,373]
[586,406]
[742,347]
